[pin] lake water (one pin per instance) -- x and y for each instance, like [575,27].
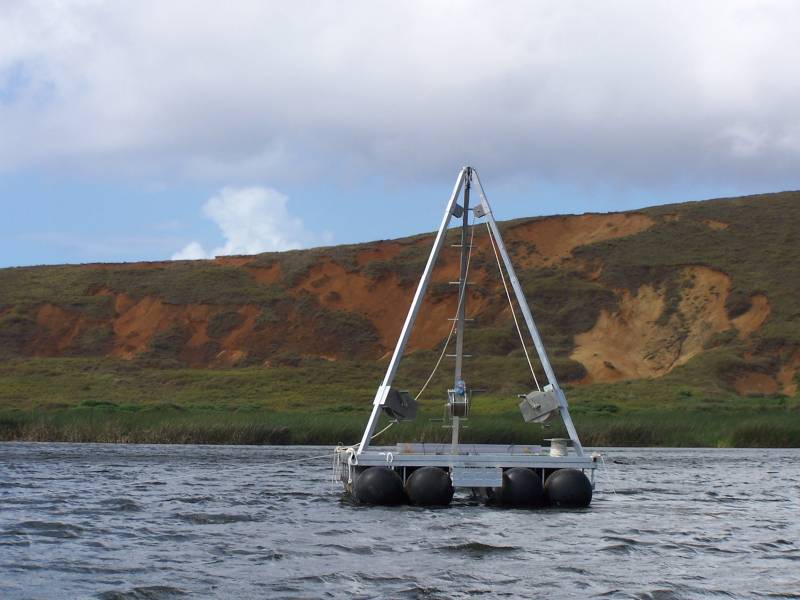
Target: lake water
[163,522]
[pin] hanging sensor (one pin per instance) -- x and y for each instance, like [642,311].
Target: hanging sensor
[400,406]
[458,211]
[458,400]
[479,211]
[539,407]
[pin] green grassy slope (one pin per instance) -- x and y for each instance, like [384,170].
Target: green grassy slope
[78,399]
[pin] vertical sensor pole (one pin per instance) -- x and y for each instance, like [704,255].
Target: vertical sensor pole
[462,304]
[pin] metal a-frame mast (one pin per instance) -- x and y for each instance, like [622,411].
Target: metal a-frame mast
[466,177]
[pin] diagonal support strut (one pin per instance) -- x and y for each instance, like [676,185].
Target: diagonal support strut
[526,311]
[394,363]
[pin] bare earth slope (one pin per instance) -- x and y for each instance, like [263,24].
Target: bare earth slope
[619,296]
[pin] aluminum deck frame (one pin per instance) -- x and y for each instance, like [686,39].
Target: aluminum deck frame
[471,456]
[476,466]
[457,456]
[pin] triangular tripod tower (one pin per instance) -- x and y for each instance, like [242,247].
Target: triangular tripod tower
[540,404]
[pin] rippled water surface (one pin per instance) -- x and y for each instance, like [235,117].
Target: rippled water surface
[108,521]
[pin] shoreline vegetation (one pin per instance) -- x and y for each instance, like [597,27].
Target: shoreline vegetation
[113,401]
[167,425]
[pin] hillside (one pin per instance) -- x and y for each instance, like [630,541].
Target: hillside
[699,294]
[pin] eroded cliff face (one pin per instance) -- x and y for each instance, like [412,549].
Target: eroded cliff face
[642,339]
[350,302]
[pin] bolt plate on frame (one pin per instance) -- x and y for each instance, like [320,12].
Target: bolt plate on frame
[476,477]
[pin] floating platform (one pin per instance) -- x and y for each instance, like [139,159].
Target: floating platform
[481,469]
[507,475]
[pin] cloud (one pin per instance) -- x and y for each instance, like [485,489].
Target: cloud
[192,251]
[252,220]
[629,91]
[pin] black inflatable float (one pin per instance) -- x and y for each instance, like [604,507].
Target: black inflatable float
[380,486]
[522,488]
[429,486]
[568,488]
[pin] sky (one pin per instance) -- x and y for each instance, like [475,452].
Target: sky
[148,130]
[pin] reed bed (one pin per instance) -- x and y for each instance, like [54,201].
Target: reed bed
[187,426]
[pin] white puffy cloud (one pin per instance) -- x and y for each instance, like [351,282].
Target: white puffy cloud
[623,91]
[192,251]
[251,220]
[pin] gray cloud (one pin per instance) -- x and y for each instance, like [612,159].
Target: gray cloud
[629,92]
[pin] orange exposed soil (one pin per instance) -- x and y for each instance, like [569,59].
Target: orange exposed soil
[702,306]
[58,328]
[787,376]
[233,261]
[636,342]
[435,323]
[266,275]
[385,303]
[136,322]
[381,303]
[755,383]
[381,251]
[556,237]
[626,344]
[236,340]
[753,319]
